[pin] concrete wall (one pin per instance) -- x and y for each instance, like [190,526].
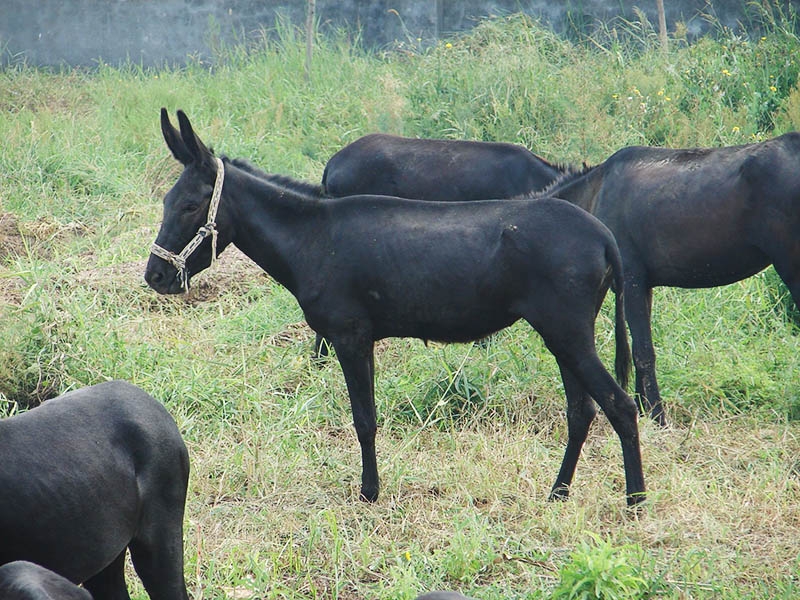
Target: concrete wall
[154,32]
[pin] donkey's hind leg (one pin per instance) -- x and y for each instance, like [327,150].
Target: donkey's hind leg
[623,414]
[109,584]
[580,414]
[569,335]
[157,553]
[321,348]
[157,546]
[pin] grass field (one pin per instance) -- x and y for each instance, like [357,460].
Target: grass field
[470,438]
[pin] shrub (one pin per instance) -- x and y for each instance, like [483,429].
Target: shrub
[597,570]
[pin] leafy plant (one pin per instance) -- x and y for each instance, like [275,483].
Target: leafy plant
[598,570]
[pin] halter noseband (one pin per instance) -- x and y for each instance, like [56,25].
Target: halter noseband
[210,228]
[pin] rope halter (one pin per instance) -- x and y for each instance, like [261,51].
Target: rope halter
[210,228]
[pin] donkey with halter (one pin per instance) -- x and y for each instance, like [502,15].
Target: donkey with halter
[692,218]
[364,268]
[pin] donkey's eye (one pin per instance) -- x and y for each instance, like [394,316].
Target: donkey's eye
[191,207]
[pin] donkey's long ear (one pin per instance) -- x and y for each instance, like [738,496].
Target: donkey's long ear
[196,148]
[174,140]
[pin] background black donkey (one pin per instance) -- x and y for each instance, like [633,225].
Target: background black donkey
[692,218]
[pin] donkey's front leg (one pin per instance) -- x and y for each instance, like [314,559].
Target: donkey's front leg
[358,365]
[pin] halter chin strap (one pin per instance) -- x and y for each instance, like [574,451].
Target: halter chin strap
[210,228]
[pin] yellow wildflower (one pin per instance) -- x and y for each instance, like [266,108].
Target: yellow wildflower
[448,45]
[773,88]
[735,129]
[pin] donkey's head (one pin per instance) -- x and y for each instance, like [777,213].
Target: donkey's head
[190,236]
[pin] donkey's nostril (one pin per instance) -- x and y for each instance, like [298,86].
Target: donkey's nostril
[153,277]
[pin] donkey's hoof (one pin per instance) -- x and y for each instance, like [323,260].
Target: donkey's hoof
[635,500]
[559,494]
[368,495]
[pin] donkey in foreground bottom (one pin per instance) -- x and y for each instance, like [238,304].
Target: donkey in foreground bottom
[23,580]
[364,268]
[89,474]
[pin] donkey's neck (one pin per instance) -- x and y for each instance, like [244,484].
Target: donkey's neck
[275,220]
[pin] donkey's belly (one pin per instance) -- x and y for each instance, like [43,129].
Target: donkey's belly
[708,271]
[444,328]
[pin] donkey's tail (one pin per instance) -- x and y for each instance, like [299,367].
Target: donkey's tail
[622,361]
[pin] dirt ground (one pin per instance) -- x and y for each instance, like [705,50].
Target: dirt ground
[233,270]
[11,244]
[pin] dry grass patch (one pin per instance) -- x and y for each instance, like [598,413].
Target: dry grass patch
[274,509]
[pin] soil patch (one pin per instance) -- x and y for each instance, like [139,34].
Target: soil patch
[11,241]
[12,244]
[233,271]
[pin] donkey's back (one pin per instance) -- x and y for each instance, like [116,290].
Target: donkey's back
[432,169]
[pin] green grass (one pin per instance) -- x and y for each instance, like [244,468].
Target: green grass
[470,437]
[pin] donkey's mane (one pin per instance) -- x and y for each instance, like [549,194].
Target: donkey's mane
[568,174]
[301,187]
[561,167]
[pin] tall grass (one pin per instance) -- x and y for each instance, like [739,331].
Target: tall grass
[471,437]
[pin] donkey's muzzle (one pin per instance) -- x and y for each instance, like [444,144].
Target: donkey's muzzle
[164,278]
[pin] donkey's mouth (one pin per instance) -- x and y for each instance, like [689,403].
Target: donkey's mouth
[165,283]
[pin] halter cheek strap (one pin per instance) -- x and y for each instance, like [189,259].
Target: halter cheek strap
[210,228]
